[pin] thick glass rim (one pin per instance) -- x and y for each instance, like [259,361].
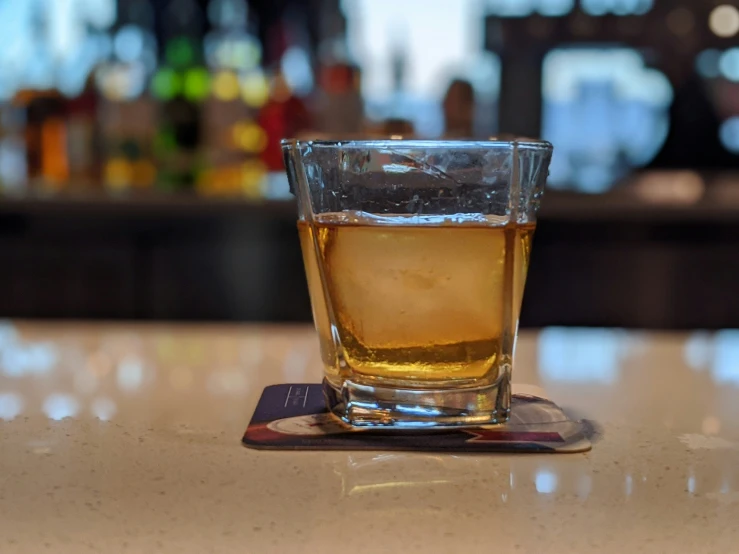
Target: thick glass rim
[461,144]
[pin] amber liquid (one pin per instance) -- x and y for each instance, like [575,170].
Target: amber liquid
[430,302]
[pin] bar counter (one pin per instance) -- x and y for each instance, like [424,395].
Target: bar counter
[126,438]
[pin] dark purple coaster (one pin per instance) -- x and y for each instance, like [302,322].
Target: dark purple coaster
[294,417]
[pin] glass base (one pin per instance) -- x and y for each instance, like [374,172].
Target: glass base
[375,406]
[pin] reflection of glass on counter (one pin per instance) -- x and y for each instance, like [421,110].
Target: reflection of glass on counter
[400,477]
[362,473]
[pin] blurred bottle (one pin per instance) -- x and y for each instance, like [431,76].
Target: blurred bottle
[459,110]
[13,161]
[83,138]
[283,116]
[232,140]
[127,137]
[126,113]
[177,144]
[46,138]
[398,68]
[185,82]
[339,104]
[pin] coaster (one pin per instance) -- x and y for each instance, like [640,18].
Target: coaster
[294,417]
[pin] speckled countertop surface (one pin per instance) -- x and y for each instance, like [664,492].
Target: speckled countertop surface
[126,439]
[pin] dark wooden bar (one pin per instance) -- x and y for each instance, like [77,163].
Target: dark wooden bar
[609,259]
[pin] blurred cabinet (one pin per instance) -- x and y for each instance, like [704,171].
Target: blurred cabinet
[199,260]
[200,263]
[66,279]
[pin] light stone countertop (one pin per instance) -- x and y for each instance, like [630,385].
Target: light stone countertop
[126,438]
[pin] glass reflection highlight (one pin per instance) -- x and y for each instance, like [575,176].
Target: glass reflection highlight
[130,374]
[18,359]
[545,481]
[8,333]
[629,485]
[725,486]
[58,406]
[579,355]
[11,405]
[364,473]
[725,367]
[718,351]
[697,350]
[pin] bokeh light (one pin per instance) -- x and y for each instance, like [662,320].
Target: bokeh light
[670,187]
[143,173]
[725,363]
[728,64]
[47,43]
[729,134]
[250,137]
[117,173]
[128,44]
[595,7]
[579,355]
[724,21]
[555,8]
[545,481]
[642,7]
[119,81]
[196,84]
[179,52]
[227,13]
[130,374]
[707,63]
[59,406]
[19,359]
[434,41]
[226,86]
[252,175]
[11,405]
[616,7]
[166,84]
[606,111]
[254,89]
[512,8]
[99,13]
[13,167]
[296,68]
[236,50]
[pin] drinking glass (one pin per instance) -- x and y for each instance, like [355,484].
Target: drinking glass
[416,255]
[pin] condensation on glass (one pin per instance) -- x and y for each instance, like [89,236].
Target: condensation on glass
[416,255]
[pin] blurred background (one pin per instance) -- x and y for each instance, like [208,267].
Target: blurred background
[141,177]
